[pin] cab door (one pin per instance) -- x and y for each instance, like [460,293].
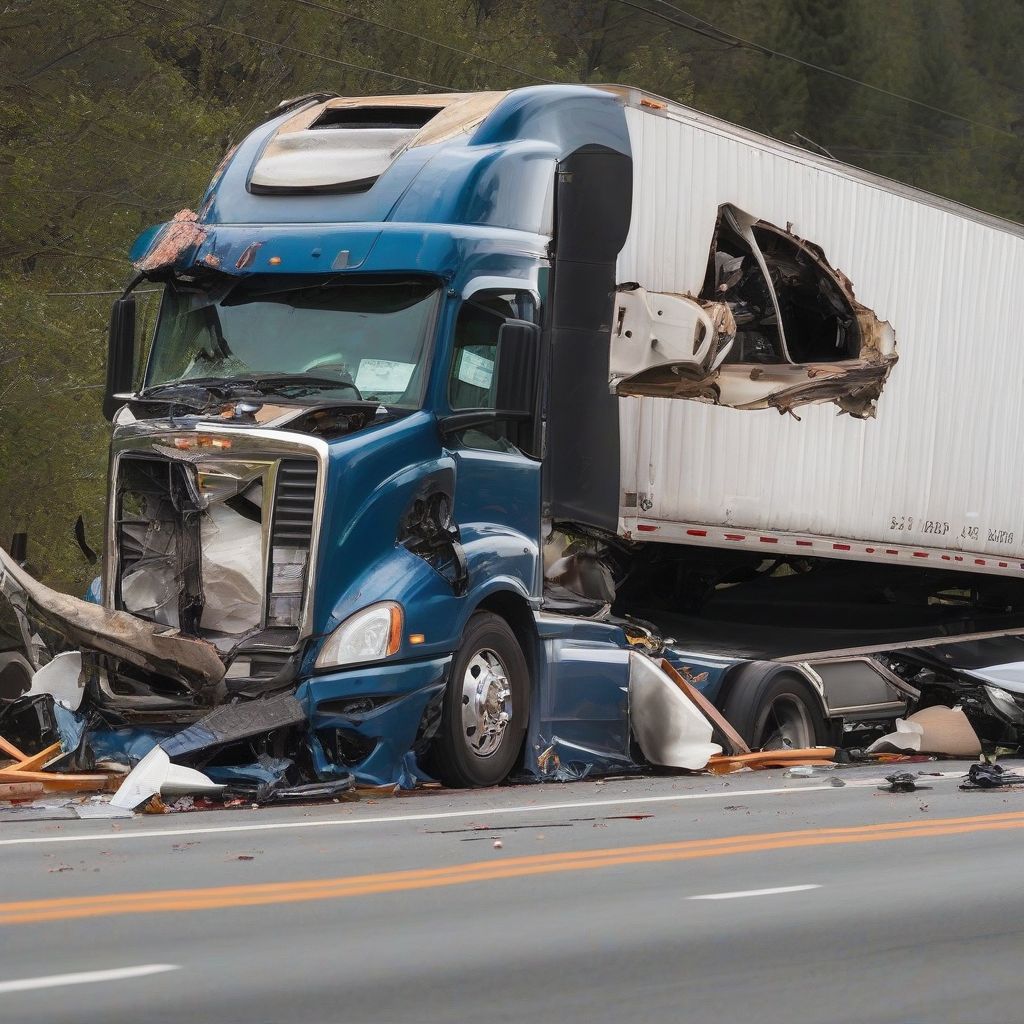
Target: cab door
[490,429]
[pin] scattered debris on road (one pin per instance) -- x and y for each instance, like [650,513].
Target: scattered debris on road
[903,782]
[990,776]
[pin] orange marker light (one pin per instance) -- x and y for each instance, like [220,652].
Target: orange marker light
[202,441]
[274,260]
[416,638]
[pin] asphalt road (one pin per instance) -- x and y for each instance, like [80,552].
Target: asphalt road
[752,898]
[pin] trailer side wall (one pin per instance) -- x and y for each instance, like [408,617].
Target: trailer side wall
[938,465]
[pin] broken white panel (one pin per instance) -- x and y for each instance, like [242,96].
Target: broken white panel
[155,774]
[906,739]
[934,730]
[653,330]
[670,729]
[61,677]
[232,567]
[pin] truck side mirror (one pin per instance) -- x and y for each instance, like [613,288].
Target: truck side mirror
[120,354]
[518,363]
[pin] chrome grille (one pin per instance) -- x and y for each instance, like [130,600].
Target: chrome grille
[294,498]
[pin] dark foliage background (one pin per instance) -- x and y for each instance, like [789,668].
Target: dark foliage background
[114,112]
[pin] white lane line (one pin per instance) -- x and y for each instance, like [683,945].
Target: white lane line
[753,892]
[85,977]
[483,813]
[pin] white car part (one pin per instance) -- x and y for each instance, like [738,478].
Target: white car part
[668,726]
[155,774]
[61,677]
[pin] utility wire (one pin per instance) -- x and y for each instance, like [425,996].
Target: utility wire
[423,39]
[295,49]
[710,31]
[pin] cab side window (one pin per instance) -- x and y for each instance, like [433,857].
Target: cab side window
[471,383]
[472,378]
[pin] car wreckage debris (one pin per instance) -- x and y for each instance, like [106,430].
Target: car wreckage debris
[990,776]
[903,782]
[248,751]
[934,730]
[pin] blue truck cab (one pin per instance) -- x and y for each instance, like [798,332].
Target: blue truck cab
[369,455]
[376,379]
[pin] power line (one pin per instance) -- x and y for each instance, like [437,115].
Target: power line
[304,53]
[711,31]
[424,39]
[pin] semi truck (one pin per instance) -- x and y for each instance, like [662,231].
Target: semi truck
[456,406]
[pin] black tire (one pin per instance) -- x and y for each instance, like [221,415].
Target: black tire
[766,702]
[461,754]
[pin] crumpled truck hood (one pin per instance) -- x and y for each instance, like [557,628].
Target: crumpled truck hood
[147,645]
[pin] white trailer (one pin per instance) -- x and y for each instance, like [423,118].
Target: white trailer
[883,431]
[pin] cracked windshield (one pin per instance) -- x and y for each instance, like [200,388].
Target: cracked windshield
[361,340]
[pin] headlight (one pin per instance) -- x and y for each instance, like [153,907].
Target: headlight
[369,635]
[1005,702]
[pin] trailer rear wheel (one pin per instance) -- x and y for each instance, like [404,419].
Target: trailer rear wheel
[772,708]
[486,706]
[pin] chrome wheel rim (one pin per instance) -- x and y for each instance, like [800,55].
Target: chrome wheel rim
[486,703]
[787,724]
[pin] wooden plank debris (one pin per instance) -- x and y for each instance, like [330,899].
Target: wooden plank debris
[729,734]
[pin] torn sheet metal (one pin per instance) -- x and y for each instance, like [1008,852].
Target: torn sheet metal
[146,645]
[155,774]
[190,538]
[667,725]
[663,332]
[579,714]
[173,241]
[775,326]
[559,760]
[234,722]
[61,677]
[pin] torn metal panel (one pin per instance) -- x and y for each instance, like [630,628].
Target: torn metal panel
[560,760]
[179,236]
[191,543]
[667,725]
[155,774]
[61,678]
[428,530]
[147,645]
[579,715]
[775,326]
[658,332]
[234,722]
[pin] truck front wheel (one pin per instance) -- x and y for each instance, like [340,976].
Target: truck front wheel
[772,708]
[486,706]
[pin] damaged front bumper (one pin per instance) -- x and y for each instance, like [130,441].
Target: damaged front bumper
[161,650]
[369,722]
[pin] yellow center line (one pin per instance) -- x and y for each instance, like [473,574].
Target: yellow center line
[177,900]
